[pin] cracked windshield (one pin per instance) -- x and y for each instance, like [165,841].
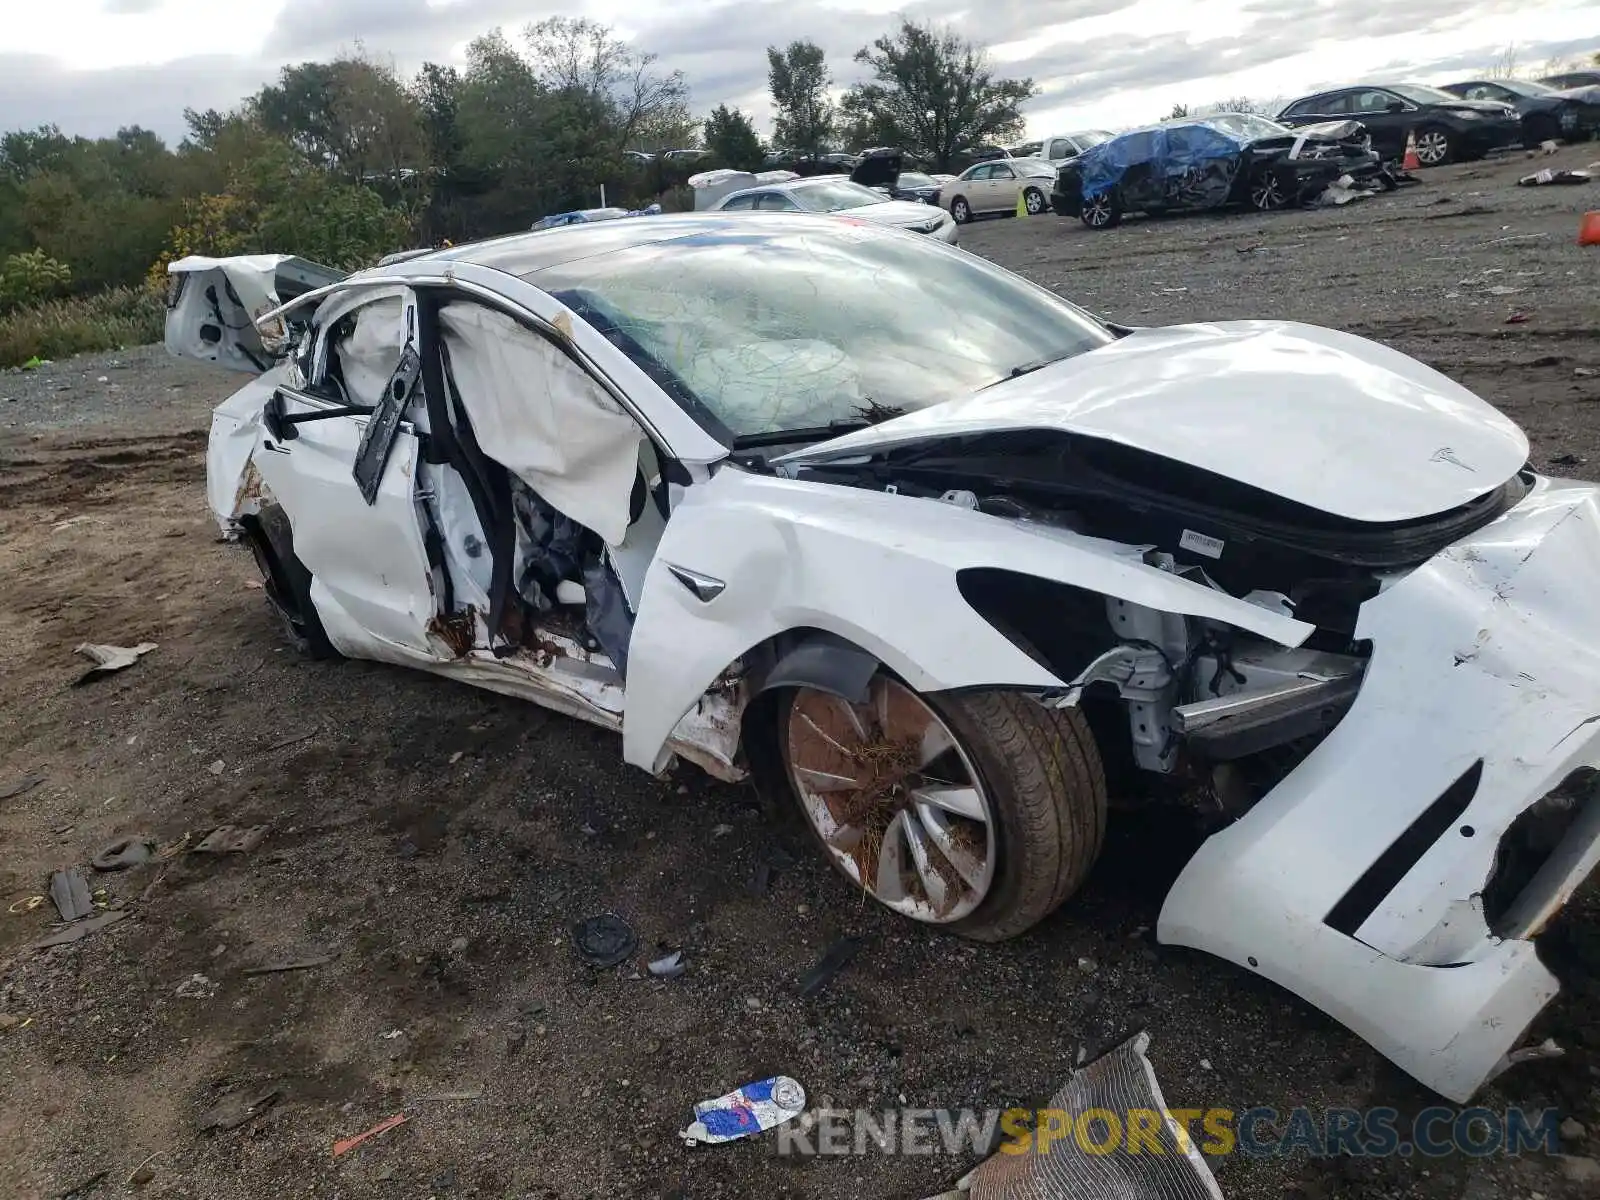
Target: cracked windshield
[776,331]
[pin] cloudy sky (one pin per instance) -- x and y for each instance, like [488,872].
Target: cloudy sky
[93,65]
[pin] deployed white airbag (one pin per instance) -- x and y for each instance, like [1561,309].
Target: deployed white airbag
[371,351]
[540,416]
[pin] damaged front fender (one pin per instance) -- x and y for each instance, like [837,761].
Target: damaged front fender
[876,569]
[1367,881]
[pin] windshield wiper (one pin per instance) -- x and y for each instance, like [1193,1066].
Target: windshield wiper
[1028,368]
[816,433]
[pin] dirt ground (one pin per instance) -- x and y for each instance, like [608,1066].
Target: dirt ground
[436,843]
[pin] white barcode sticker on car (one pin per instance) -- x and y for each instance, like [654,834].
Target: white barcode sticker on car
[1201,544]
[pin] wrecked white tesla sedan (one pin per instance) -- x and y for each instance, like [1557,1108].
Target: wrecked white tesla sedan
[939,551]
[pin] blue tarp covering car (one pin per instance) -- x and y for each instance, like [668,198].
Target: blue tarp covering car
[1206,152]
[1210,162]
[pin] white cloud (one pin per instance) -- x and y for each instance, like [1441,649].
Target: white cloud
[93,65]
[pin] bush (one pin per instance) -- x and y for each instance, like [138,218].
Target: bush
[31,277]
[126,316]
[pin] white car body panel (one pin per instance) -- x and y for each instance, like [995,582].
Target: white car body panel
[1489,651]
[1287,408]
[370,576]
[810,555]
[232,478]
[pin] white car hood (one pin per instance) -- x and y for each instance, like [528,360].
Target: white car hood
[894,212]
[1321,418]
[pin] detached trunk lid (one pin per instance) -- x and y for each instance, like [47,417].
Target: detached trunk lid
[213,303]
[1324,419]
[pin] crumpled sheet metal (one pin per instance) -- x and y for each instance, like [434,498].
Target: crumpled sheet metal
[1119,1081]
[1206,154]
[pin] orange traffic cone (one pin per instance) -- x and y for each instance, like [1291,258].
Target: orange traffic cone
[1589,229]
[1411,162]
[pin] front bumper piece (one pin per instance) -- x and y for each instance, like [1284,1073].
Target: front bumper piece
[1372,880]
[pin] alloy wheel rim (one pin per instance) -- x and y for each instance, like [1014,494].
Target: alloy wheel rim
[1099,212]
[1035,202]
[1431,147]
[1266,194]
[894,799]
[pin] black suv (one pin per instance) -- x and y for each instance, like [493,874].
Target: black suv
[1447,127]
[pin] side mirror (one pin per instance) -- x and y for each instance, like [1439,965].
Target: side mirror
[272,416]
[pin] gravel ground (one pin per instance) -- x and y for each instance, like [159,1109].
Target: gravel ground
[436,843]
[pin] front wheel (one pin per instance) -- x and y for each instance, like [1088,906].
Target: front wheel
[960,210]
[1101,212]
[1033,200]
[287,583]
[979,812]
[1267,193]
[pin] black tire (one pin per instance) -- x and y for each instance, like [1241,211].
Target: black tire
[287,583]
[1043,770]
[1102,212]
[1034,201]
[1440,146]
[960,210]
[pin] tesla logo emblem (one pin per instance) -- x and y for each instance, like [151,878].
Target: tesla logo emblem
[704,587]
[1446,455]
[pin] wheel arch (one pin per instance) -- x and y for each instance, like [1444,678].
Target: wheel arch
[874,575]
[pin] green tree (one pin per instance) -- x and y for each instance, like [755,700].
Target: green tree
[934,95]
[606,79]
[1179,111]
[352,115]
[798,79]
[731,138]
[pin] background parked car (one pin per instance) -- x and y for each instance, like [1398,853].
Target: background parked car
[1070,145]
[1211,162]
[1447,127]
[833,195]
[1545,112]
[993,187]
[1572,79]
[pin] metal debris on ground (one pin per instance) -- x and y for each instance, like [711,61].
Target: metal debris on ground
[834,959]
[25,905]
[292,740]
[110,659]
[754,1108]
[123,853]
[1548,177]
[197,987]
[1099,1167]
[440,1097]
[20,787]
[234,1111]
[231,839]
[604,941]
[79,930]
[669,966]
[69,892]
[297,964]
[348,1144]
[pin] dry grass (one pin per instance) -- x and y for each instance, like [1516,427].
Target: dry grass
[59,328]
